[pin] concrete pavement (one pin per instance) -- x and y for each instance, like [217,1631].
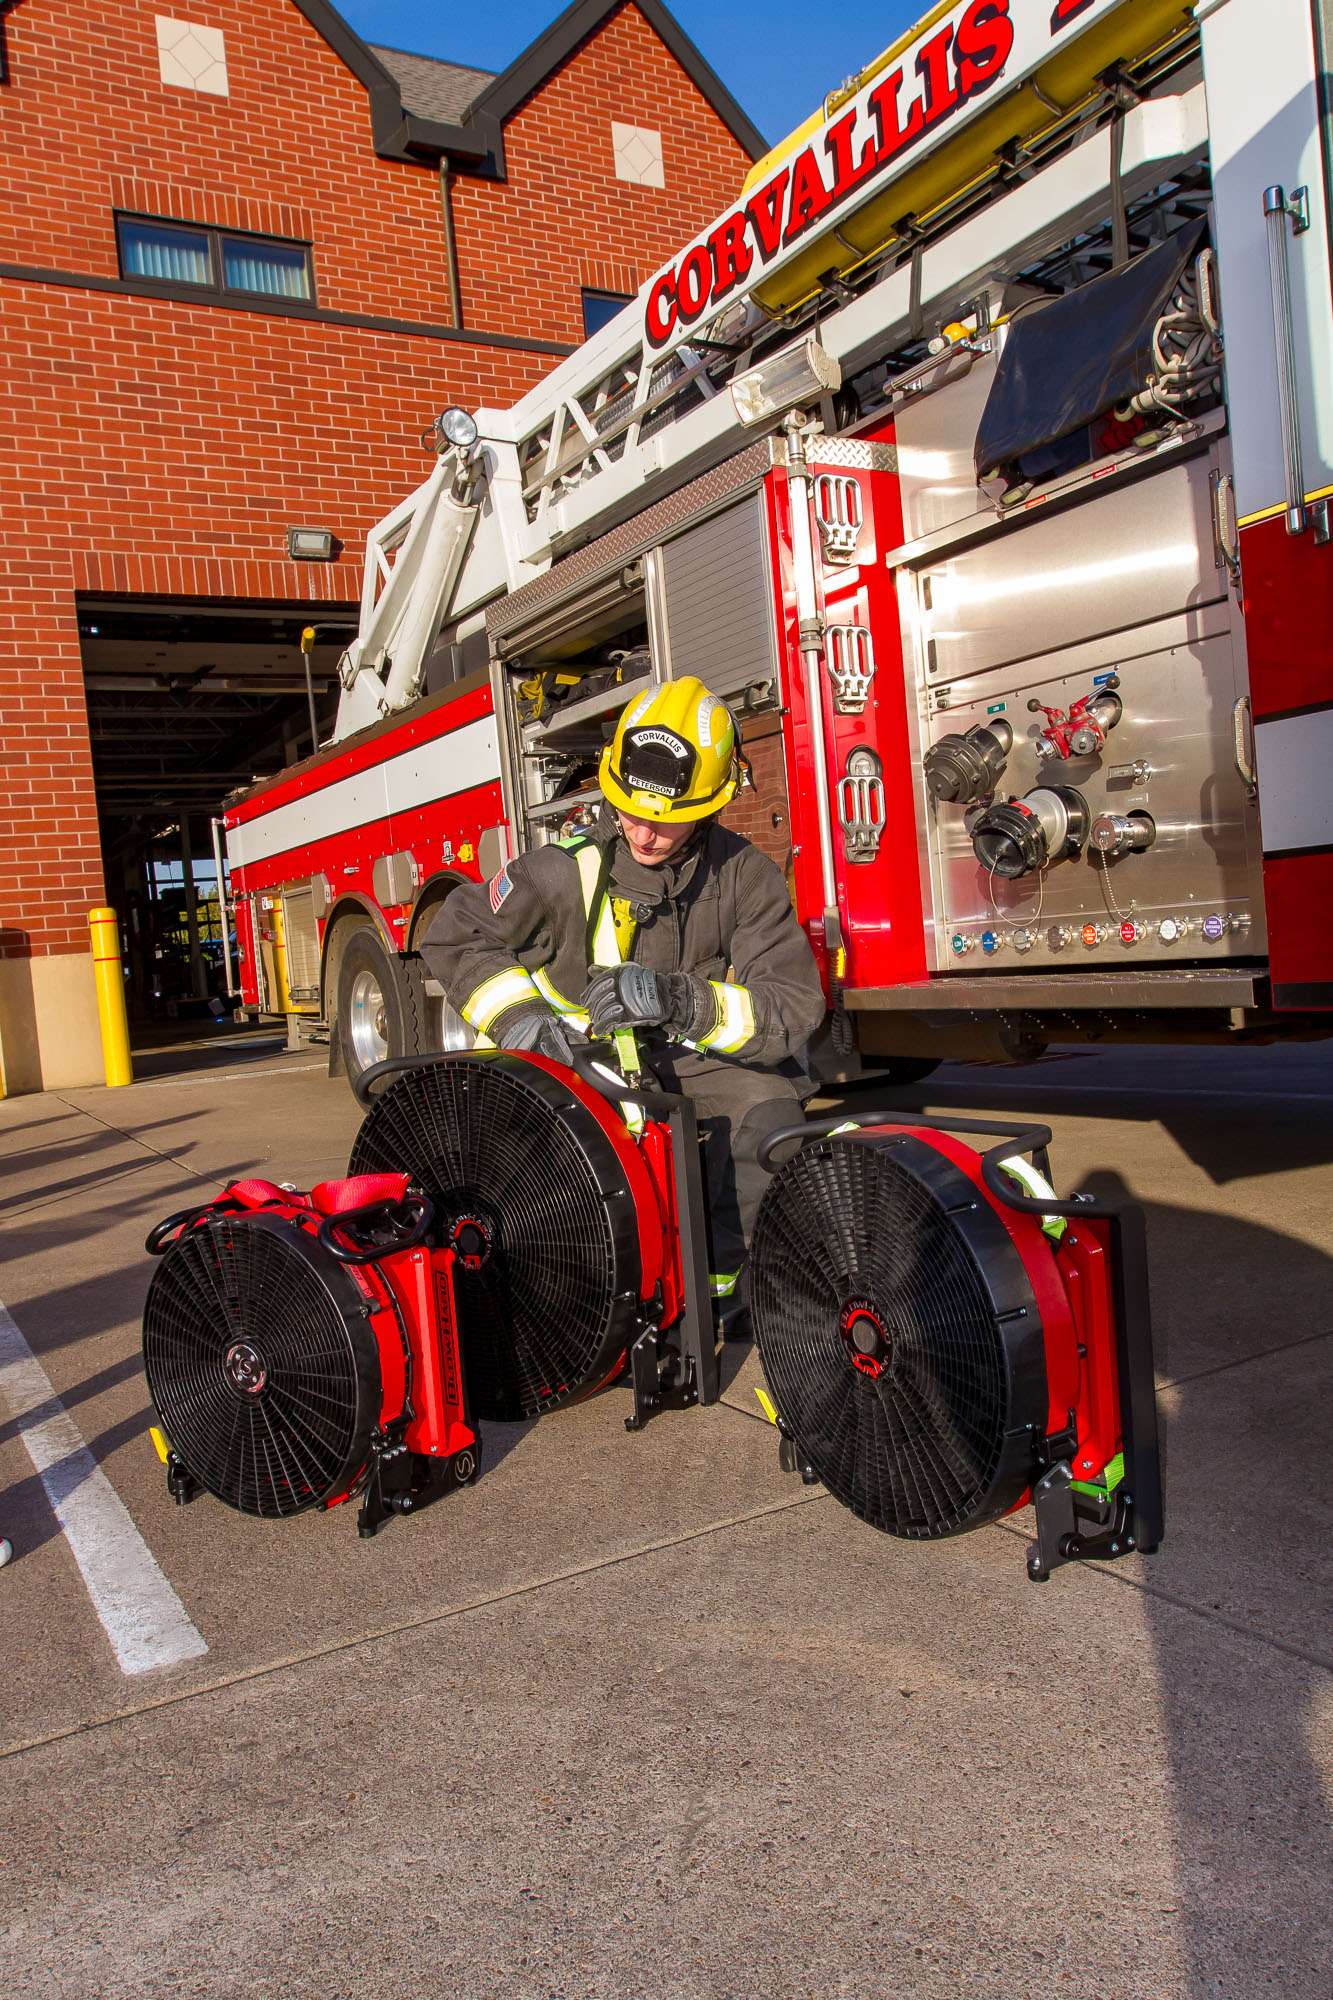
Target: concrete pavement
[640,1715]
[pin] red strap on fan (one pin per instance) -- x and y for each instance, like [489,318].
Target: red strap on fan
[327,1198]
[263,1194]
[336,1197]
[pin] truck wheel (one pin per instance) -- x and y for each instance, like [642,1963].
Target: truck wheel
[447,1033]
[381,1012]
[447,1030]
[435,1025]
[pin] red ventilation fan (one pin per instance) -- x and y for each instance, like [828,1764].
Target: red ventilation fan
[943,1346]
[943,1338]
[580,1245]
[302,1349]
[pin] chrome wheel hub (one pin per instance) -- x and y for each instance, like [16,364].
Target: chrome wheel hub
[366,1021]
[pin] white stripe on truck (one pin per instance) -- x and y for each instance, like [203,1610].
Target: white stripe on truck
[455,762]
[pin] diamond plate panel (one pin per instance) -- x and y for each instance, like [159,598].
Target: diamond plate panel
[853,453]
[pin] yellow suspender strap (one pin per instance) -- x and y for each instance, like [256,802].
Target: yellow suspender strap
[588,860]
[625,921]
[604,939]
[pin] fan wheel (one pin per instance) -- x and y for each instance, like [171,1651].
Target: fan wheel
[531,1193]
[900,1334]
[261,1364]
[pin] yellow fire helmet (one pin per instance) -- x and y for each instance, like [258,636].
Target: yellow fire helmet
[673,756]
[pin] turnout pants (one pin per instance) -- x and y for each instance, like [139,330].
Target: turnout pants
[736,1107]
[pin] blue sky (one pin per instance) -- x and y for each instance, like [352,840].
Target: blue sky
[776,57]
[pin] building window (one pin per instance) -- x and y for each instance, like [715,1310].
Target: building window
[216,260]
[279,270]
[599,309]
[177,256]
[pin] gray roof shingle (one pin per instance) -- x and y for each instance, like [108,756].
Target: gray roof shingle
[432,89]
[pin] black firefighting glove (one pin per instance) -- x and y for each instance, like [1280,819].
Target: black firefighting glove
[633,996]
[536,1031]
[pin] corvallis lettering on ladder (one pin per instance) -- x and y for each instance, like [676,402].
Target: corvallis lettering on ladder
[956,60]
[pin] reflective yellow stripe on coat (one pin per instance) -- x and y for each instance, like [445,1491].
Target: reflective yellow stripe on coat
[735,1019]
[487,1002]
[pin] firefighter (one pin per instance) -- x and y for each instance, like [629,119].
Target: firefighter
[657,919]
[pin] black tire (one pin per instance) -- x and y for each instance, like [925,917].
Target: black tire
[444,1030]
[382,1005]
[418,1008]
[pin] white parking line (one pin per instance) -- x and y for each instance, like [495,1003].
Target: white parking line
[140,1612]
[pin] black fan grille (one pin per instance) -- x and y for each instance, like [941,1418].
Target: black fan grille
[238,1297]
[544,1316]
[925,1448]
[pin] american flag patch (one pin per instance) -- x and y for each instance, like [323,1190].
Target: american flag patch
[499,888]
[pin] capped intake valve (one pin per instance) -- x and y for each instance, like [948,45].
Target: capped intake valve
[1123,833]
[1019,836]
[961,768]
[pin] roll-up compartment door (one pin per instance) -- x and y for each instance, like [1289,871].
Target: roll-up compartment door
[718,602]
[575,621]
[300,937]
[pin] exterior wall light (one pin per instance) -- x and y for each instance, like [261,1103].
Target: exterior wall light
[310,544]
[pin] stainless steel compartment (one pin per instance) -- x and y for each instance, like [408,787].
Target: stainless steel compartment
[1130,584]
[1171,758]
[935,433]
[1118,560]
[719,601]
[300,936]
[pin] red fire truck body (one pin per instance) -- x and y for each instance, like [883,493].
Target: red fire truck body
[333,836]
[1056,729]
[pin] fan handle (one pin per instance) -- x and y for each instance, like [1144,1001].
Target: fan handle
[410,1219]
[162,1234]
[590,1068]
[380,1072]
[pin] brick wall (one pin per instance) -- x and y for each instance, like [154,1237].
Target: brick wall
[760,810]
[163,447]
[527,245]
[88,121]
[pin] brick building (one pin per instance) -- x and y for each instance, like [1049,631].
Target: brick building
[244,258]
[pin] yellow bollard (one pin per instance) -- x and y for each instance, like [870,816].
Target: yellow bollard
[110,998]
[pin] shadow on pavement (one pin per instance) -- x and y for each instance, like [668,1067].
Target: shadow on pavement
[54,1153]
[1231,1607]
[1234,1606]
[190,1048]
[29,1517]
[1195,1095]
[1247,1355]
[130,1369]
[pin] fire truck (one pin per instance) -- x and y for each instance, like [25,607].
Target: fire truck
[980,456]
